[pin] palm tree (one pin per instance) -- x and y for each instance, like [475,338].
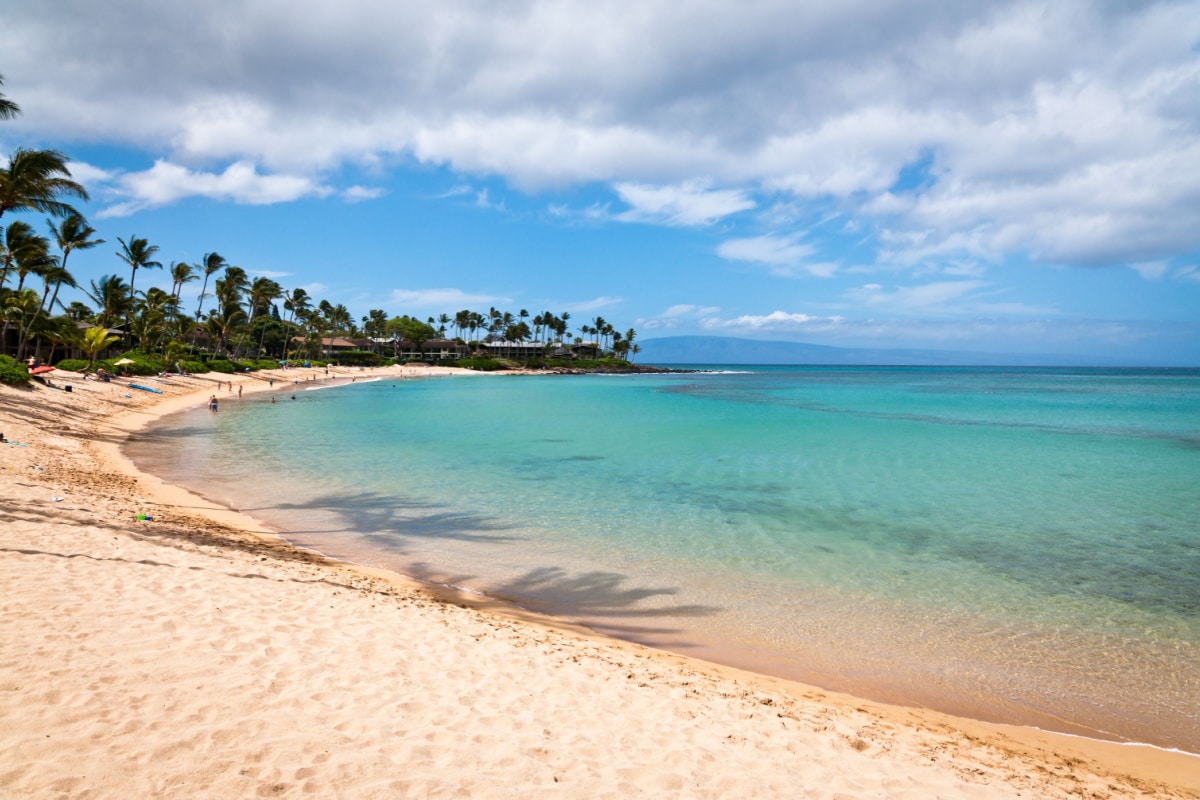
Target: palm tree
[181,273]
[73,233]
[20,245]
[111,295]
[28,253]
[8,109]
[18,307]
[263,292]
[223,323]
[297,304]
[208,265]
[56,331]
[35,180]
[137,253]
[149,323]
[93,343]
[53,278]
[77,311]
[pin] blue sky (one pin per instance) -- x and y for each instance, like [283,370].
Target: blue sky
[1001,177]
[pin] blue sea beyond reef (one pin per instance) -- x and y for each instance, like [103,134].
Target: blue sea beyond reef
[1018,545]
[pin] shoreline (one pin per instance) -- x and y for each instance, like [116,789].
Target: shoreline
[106,488]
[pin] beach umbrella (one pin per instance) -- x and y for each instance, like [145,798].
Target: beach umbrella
[41,370]
[123,362]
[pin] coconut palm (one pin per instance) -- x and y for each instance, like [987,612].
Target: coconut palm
[138,254]
[111,295]
[181,273]
[8,109]
[230,289]
[20,244]
[17,309]
[297,303]
[263,292]
[35,259]
[223,323]
[52,279]
[56,331]
[25,253]
[208,265]
[77,311]
[35,180]
[93,343]
[148,324]
[72,234]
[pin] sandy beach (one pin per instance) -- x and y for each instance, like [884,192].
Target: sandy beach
[197,654]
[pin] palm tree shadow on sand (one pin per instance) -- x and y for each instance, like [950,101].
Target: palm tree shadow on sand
[391,525]
[605,601]
[388,523]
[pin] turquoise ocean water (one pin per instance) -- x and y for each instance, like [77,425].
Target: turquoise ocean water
[1018,545]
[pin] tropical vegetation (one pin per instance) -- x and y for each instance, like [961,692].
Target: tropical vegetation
[241,321]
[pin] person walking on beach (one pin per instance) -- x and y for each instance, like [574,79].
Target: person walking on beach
[212,403]
[239,392]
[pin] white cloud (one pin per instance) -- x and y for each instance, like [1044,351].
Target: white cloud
[679,315]
[767,249]
[482,201]
[691,203]
[1151,270]
[685,310]
[953,298]
[447,300]
[357,194]
[787,256]
[88,174]
[776,321]
[241,182]
[593,304]
[904,299]
[1063,131]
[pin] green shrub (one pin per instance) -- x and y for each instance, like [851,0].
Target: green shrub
[481,364]
[194,367]
[72,364]
[359,358]
[245,366]
[144,363]
[12,373]
[221,365]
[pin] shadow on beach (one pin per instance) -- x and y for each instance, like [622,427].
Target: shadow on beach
[389,525]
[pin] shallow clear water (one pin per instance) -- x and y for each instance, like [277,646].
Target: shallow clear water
[1019,545]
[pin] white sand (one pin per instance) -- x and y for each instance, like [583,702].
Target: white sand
[197,656]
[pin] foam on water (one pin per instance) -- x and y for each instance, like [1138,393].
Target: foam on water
[1019,545]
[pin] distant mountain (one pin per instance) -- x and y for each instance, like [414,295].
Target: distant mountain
[729,350]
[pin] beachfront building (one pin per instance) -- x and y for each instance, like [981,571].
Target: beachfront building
[529,350]
[516,350]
